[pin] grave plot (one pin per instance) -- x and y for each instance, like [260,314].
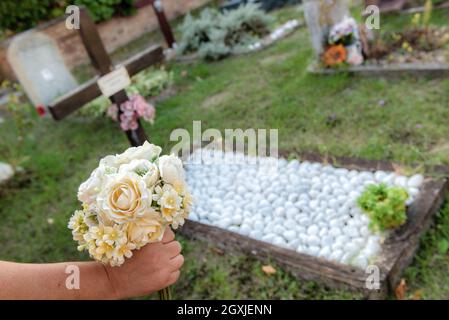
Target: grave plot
[343,44]
[305,216]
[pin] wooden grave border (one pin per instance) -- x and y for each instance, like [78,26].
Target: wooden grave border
[392,70]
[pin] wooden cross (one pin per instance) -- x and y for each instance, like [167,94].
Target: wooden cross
[163,22]
[72,101]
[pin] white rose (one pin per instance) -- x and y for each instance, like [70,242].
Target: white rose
[109,161]
[124,197]
[146,229]
[147,151]
[144,168]
[171,170]
[88,190]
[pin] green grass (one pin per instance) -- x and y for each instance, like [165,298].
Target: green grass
[269,89]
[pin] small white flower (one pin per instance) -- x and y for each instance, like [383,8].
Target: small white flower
[78,226]
[169,201]
[122,250]
[114,235]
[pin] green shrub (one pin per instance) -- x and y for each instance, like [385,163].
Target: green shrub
[105,9]
[214,34]
[24,14]
[20,15]
[385,206]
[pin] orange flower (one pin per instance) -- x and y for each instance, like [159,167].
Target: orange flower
[334,55]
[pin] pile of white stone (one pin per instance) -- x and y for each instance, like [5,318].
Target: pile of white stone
[308,207]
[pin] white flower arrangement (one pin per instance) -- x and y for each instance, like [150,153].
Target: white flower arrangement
[128,201]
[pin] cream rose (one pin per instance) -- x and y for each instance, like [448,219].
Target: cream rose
[146,229]
[124,198]
[171,170]
[144,168]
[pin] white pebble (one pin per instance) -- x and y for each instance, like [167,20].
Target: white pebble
[290,235]
[415,181]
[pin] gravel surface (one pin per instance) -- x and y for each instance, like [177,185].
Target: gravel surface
[304,206]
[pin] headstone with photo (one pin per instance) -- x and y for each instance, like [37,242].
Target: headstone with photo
[40,68]
[320,15]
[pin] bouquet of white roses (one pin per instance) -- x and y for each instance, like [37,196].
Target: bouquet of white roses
[128,201]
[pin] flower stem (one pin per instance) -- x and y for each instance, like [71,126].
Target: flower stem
[165,294]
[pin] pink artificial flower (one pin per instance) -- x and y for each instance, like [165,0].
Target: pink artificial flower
[133,109]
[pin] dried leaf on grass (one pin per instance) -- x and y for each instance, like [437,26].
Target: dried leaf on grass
[269,270]
[217,251]
[401,290]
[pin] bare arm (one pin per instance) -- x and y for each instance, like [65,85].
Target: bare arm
[48,281]
[152,268]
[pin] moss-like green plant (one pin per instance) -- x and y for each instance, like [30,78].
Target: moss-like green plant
[385,206]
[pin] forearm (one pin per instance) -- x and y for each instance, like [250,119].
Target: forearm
[48,281]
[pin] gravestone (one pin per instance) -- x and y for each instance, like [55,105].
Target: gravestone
[320,15]
[40,68]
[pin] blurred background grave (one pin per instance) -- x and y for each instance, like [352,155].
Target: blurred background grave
[40,68]
[320,16]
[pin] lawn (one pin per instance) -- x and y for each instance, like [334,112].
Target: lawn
[401,119]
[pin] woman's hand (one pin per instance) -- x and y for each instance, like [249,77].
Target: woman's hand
[152,268]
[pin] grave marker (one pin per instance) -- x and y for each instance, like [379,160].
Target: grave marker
[320,15]
[163,22]
[40,68]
